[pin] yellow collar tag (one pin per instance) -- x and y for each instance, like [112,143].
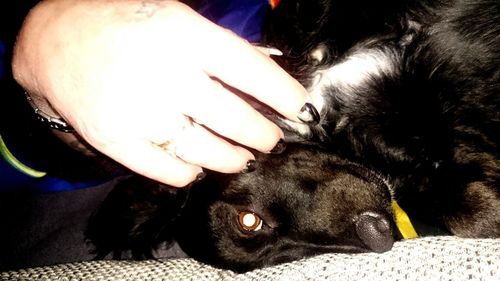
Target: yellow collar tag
[403,222]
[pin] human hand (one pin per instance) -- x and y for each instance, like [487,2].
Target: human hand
[136,81]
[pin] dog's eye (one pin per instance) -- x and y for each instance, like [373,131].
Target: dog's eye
[249,221]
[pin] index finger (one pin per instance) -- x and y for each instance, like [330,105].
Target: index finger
[239,64]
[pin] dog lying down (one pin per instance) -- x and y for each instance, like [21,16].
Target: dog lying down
[295,204]
[408,110]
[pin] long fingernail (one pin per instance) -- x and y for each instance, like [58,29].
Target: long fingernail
[308,114]
[279,147]
[268,50]
[250,167]
[199,177]
[274,52]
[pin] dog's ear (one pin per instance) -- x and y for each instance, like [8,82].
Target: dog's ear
[136,216]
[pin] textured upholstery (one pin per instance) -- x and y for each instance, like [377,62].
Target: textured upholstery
[430,258]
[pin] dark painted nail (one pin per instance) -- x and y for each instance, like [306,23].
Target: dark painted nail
[308,114]
[250,167]
[279,147]
[200,176]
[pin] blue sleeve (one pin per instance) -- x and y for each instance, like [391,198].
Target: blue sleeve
[244,17]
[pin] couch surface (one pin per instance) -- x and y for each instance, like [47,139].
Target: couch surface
[429,258]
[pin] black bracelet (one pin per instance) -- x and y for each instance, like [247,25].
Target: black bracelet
[54,123]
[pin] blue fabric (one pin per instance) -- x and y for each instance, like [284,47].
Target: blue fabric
[244,17]
[13,179]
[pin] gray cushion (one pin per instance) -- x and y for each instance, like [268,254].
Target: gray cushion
[429,258]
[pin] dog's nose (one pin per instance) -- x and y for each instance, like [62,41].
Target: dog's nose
[375,230]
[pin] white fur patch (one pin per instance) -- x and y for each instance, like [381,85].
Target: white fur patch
[300,128]
[351,73]
[347,76]
[319,53]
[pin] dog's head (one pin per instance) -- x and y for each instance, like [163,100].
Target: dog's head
[296,204]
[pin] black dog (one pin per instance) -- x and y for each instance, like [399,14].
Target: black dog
[410,89]
[408,94]
[295,204]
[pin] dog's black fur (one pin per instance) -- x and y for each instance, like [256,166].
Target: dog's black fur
[421,121]
[309,202]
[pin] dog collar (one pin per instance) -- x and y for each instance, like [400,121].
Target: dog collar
[403,222]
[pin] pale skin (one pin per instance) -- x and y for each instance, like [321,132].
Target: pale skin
[135,78]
